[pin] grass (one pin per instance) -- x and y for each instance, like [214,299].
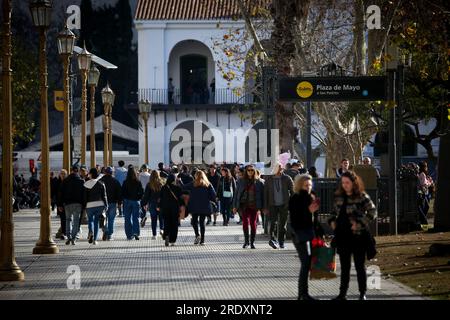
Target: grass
[405,258]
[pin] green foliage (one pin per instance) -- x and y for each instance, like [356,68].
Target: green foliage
[25,92]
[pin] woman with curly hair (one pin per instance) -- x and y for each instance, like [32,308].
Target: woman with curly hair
[353,209]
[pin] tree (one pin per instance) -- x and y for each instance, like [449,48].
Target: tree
[25,82]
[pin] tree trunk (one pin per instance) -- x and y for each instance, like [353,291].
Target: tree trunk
[442,202]
[286,17]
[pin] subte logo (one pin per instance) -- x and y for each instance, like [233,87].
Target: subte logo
[305,89]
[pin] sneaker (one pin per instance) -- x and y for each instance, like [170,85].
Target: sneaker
[281,245]
[63,237]
[166,242]
[73,242]
[202,242]
[136,237]
[129,239]
[144,219]
[68,242]
[273,244]
[252,246]
[197,240]
[161,232]
[214,223]
[105,236]
[245,246]
[154,238]
[95,243]
[110,239]
[172,244]
[91,238]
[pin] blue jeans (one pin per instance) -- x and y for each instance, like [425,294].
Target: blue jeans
[93,219]
[72,210]
[154,214]
[111,216]
[131,215]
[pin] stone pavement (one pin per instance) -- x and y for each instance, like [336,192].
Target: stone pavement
[146,269]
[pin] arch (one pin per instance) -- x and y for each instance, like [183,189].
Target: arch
[186,143]
[197,57]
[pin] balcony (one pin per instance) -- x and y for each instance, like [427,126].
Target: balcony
[221,96]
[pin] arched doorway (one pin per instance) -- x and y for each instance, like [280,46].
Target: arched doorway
[191,67]
[193,76]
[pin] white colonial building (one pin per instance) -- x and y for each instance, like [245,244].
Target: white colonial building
[175,41]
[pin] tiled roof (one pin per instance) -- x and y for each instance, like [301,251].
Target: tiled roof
[189,9]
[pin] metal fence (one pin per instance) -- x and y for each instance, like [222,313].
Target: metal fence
[407,205]
[177,97]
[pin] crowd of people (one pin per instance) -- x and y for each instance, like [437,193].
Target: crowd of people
[239,193]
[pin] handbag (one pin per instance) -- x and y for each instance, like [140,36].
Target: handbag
[181,209]
[226,194]
[323,260]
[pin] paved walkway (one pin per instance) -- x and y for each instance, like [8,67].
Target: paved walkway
[146,269]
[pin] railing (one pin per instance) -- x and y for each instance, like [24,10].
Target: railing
[407,206]
[178,96]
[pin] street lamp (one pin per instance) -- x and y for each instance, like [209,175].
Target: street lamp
[94,75]
[9,270]
[145,107]
[84,63]
[108,97]
[66,42]
[41,13]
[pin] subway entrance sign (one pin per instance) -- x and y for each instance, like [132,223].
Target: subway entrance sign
[297,89]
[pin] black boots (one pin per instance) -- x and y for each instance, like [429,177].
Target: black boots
[252,241]
[246,243]
[306,297]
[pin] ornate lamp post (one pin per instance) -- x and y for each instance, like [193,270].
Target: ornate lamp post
[9,270]
[145,107]
[94,75]
[66,42]
[84,63]
[41,13]
[108,97]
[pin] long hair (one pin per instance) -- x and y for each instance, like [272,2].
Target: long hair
[155,181]
[358,185]
[300,180]
[131,175]
[200,180]
[227,175]
[246,177]
[423,167]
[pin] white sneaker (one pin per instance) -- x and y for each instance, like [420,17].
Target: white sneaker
[95,243]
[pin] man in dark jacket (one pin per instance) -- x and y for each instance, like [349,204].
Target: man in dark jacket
[185,176]
[114,195]
[72,195]
[278,189]
[213,177]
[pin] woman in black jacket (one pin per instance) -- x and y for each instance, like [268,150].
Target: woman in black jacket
[302,208]
[352,211]
[132,193]
[225,190]
[151,199]
[170,201]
